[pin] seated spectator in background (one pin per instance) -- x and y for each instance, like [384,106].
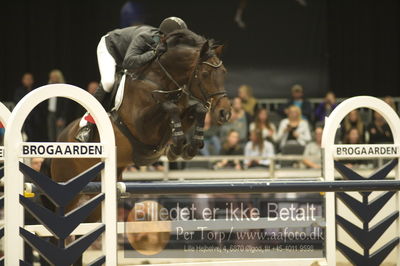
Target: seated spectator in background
[353,136]
[239,122]
[293,129]
[212,144]
[56,108]
[297,99]
[257,146]
[312,152]
[353,120]
[73,109]
[249,103]
[389,100]
[36,163]
[92,86]
[326,107]
[379,131]
[33,126]
[231,146]
[262,123]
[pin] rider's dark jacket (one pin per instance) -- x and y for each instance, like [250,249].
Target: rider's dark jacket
[134,46]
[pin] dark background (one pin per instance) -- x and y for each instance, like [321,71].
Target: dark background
[348,46]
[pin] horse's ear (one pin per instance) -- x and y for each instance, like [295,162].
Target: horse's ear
[204,49]
[218,50]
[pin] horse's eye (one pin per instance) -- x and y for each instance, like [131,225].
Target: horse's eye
[205,74]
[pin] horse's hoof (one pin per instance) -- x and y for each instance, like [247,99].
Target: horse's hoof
[171,155]
[178,141]
[176,149]
[188,152]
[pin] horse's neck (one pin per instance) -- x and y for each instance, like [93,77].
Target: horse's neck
[137,94]
[179,63]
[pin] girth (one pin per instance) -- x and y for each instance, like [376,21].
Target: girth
[139,149]
[160,96]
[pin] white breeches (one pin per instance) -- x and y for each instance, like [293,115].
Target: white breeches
[106,65]
[107,72]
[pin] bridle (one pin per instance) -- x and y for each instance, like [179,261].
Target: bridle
[187,89]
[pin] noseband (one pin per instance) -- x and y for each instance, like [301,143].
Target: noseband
[187,89]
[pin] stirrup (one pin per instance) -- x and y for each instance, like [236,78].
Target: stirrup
[85,133]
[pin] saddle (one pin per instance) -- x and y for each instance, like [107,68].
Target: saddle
[110,97]
[159,95]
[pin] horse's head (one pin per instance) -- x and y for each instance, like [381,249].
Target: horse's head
[194,61]
[207,83]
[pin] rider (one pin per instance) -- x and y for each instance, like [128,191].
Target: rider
[128,48]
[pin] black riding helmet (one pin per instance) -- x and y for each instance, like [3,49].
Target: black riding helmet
[172,23]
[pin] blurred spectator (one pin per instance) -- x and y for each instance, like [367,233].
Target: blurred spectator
[157,166]
[26,87]
[56,108]
[353,136]
[212,144]
[326,107]
[379,131]
[297,99]
[249,103]
[353,120]
[27,82]
[33,124]
[312,152]
[123,209]
[262,123]
[73,109]
[231,147]
[389,100]
[132,13]
[257,146]
[293,129]
[239,122]
[36,163]
[92,86]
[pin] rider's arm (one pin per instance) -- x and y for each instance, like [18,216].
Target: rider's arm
[139,53]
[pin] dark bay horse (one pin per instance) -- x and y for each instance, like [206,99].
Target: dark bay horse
[162,101]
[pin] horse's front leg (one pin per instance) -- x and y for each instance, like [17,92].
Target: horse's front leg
[191,149]
[178,137]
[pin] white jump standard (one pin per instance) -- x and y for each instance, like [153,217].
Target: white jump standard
[14,183]
[16,150]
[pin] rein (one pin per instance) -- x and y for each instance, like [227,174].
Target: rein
[174,95]
[206,101]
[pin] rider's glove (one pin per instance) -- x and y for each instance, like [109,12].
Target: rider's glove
[160,49]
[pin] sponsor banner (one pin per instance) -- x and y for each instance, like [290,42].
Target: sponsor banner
[62,150]
[366,151]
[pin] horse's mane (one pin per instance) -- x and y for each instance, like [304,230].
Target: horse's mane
[188,38]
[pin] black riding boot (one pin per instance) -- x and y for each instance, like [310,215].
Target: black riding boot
[85,133]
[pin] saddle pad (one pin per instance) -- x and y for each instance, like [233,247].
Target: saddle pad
[120,93]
